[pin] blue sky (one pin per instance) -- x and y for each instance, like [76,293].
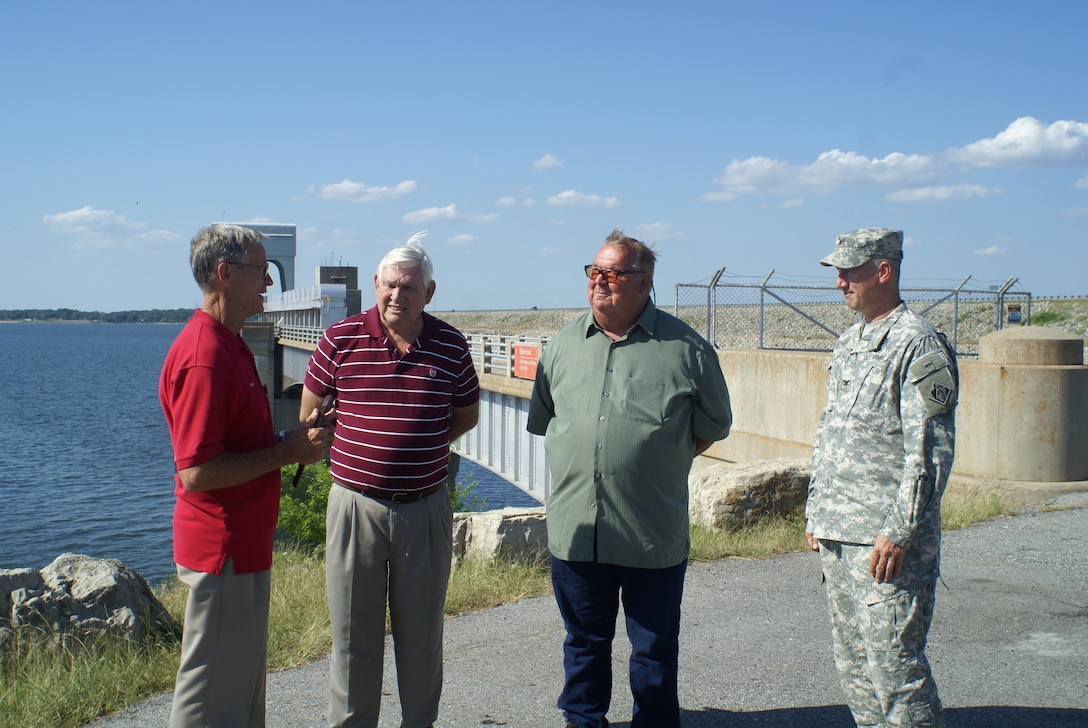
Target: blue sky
[736,135]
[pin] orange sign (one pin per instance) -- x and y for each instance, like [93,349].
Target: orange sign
[525,357]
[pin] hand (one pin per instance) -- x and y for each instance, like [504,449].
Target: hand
[886,562]
[813,542]
[307,443]
[325,415]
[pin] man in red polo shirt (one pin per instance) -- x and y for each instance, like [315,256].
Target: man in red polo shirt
[227,485]
[405,387]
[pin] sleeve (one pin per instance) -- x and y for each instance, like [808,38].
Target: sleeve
[541,406]
[199,404]
[712,415]
[927,410]
[321,370]
[467,392]
[817,448]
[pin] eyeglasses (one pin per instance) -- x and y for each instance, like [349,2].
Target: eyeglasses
[263,266]
[611,275]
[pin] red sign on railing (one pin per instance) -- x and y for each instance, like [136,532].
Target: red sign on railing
[525,358]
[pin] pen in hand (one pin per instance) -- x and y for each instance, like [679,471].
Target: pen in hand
[326,404]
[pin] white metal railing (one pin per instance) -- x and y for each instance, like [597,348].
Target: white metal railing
[322,296]
[494,353]
[301,315]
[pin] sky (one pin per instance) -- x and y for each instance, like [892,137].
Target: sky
[742,136]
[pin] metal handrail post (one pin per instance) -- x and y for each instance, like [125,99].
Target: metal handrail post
[762,298]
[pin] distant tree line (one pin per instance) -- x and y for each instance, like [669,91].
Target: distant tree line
[153,316]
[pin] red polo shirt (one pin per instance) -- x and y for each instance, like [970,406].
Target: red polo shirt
[214,402]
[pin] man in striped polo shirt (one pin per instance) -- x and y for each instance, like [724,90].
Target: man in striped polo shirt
[405,388]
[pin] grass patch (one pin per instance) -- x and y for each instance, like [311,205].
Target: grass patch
[43,684]
[959,509]
[758,540]
[476,585]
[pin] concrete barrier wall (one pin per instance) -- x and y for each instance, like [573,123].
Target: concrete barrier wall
[776,397]
[1023,412]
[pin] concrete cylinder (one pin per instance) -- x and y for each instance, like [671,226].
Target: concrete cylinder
[1023,413]
[1031,346]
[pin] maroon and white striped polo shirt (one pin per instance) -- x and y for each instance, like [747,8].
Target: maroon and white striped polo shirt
[392,427]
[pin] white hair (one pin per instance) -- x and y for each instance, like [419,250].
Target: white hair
[409,253]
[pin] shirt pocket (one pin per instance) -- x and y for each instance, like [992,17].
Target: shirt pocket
[642,401]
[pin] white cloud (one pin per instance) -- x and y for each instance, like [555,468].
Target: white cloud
[105,229]
[1028,141]
[352,191]
[943,193]
[573,198]
[656,231]
[1025,141]
[463,240]
[789,204]
[548,161]
[1075,212]
[434,214]
[510,201]
[723,196]
[830,171]
[992,250]
[448,213]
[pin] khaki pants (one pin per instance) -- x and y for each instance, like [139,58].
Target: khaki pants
[221,679]
[379,552]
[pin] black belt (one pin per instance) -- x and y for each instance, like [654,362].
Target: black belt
[396,496]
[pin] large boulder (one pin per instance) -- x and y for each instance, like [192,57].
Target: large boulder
[730,495]
[78,595]
[509,534]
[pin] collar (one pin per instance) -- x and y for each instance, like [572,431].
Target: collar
[219,329]
[372,325]
[871,336]
[647,319]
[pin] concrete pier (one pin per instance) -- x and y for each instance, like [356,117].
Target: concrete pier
[1023,413]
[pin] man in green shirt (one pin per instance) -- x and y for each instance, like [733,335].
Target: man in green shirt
[626,396]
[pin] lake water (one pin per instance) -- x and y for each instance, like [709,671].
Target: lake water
[85,459]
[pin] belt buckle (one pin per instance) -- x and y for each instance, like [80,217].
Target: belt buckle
[400,497]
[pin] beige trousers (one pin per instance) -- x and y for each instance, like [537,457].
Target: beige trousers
[378,553]
[224,647]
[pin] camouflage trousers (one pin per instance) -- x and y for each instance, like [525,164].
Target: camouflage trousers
[879,634]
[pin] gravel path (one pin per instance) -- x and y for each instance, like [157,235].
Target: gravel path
[1009,644]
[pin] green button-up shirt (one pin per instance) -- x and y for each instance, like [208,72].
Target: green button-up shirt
[620,420]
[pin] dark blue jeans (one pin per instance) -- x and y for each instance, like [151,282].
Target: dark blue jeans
[588,595]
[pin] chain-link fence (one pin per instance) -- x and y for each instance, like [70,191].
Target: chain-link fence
[810,318]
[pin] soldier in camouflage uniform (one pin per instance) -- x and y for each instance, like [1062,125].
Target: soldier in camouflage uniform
[880,462]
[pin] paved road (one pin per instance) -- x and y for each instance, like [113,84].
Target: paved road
[1009,644]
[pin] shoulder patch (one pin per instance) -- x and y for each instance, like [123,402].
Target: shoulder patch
[932,375]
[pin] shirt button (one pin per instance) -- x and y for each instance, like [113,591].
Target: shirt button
[602,418]
[606,394]
[600,446]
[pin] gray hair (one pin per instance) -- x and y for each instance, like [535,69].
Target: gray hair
[645,257]
[215,244]
[410,254]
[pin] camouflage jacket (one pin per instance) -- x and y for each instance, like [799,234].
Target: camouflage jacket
[884,445]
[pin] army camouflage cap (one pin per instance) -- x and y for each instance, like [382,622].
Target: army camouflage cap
[859,246]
